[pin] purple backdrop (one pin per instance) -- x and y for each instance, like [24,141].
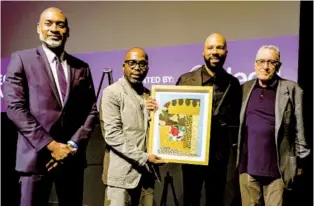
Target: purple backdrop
[168,63]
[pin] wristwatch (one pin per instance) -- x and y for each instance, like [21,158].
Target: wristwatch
[72,144]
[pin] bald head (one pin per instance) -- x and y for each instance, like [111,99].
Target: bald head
[52,11]
[135,65]
[215,51]
[53,29]
[136,51]
[216,37]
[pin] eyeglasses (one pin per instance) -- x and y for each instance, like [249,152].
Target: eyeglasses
[141,64]
[261,62]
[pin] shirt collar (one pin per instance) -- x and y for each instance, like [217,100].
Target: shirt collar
[52,56]
[219,74]
[205,75]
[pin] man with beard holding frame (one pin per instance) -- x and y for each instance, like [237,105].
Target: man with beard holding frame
[224,125]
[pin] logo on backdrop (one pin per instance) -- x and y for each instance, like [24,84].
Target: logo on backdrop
[185,59]
[2,80]
[242,77]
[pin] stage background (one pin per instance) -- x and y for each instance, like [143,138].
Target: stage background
[172,33]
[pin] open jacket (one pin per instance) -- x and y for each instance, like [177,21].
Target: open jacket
[289,129]
[125,124]
[225,108]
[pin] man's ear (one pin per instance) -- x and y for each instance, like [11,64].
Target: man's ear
[278,67]
[38,28]
[123,65]
[68,32]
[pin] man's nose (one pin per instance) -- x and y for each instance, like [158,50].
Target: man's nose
[265,66]
[54,27]
[136,66]
[214,51]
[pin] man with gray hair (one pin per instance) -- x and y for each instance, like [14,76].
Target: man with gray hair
[271,142]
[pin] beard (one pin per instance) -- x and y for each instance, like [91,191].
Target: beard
[137,80]
[50,43]
[216,67]
[134,81]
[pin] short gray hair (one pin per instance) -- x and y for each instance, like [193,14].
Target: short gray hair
[271,47]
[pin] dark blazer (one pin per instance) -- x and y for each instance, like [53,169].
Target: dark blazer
[225,117]
[289,129]
[34,106]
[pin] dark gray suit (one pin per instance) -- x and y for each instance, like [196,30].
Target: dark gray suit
[289,128]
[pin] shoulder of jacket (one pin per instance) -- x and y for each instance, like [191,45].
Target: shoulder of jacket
[291,85]
[233,80]
[190,73]
[77,61]
[113,88]
[248,83]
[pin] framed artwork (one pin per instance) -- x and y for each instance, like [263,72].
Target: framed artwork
[180,128]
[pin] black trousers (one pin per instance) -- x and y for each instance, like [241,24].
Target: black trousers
[68,179]
[214,178]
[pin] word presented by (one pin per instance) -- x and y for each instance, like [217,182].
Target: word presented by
[159,80]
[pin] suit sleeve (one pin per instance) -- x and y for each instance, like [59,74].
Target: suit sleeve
[84,132]
[301,147]
[16,98]
[111,124]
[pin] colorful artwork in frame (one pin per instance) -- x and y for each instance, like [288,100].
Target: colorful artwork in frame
[180,128]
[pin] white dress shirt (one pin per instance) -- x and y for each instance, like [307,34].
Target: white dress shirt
[53,65]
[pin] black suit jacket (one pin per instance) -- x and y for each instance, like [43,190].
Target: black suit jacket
[226,110]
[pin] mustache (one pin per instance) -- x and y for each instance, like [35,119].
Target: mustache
[54,35]
[216,56]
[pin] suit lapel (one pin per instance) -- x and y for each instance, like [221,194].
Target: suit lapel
[47,71]
[282,97]
[71,74]
[196,80]
[247,90]
[140,105]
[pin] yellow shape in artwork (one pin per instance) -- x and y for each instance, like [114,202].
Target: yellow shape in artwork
[185,108]
[178,130]
[166,142]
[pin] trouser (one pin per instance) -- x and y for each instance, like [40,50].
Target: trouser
[142,195]
[36,188]
[254,188]
[193,178]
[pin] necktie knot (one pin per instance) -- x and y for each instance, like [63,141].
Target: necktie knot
[57,59]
